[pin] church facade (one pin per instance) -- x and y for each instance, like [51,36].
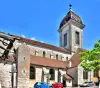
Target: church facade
[32,61]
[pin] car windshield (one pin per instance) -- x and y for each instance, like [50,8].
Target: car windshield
[90,82]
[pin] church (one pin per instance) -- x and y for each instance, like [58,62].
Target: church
[31,61]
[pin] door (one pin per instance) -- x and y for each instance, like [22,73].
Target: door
[64,83]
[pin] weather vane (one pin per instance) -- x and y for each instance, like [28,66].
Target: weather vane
[70,7]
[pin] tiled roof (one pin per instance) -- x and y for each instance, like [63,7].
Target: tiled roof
[71,70]
[37,43]
[71,15]
[37,60]
[76,58]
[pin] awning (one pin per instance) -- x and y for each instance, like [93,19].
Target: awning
[67,77]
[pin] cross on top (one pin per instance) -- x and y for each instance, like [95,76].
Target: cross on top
[70,7]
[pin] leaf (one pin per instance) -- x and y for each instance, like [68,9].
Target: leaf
[91,59]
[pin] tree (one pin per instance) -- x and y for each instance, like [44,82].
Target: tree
[91,59]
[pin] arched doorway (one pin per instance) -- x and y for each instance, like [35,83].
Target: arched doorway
[52,73]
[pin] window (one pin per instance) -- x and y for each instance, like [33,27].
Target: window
[77,37]
[96,74]
[59,76]
[85,75]
[66,58]
[35,52]
[43,53]
[57,56]
[32,72]
[65,39]
[52,73]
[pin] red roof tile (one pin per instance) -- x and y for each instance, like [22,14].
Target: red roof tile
[71,70]
[76,58]
[37,60]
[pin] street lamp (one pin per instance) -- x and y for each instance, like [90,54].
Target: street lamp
[48,76]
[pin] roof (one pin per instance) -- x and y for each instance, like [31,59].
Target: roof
[71,15]
[37,60]
[76,58]
[71,70]
[67,77]
[41,44]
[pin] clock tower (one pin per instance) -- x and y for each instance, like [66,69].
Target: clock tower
[71,31]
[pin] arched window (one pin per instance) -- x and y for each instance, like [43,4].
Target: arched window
[57,56]
[52,73]
[35,52]
[66,58]
[32,72]
[43,53]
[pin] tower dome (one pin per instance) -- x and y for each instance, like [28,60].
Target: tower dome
[71,16]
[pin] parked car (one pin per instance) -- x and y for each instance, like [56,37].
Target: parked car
[42,85]
[87,84]
[57,85]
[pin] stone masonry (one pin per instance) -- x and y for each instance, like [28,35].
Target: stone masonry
[23,56]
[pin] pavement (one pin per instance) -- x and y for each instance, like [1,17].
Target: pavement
[83,87]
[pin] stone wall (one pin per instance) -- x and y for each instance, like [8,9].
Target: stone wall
[23,56]
[70,30]
[5,75]
[80,75]
[38,51]
[74,45]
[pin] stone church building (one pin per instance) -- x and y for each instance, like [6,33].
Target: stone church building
[31,61]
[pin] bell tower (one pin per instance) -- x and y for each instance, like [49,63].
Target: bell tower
[71,31]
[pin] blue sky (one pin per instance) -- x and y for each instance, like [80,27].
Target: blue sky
[40,19]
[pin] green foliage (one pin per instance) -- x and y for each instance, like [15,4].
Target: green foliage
[91,59]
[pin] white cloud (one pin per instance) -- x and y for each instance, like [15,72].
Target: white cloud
[42,41]
[33,38]
[22,35]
